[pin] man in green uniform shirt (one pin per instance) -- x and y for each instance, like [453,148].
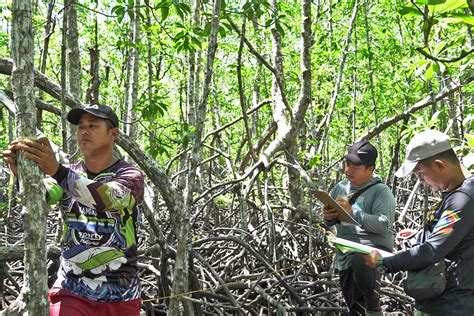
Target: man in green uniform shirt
[374,208]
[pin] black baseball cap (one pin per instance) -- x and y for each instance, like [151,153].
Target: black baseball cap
[362,153]
[101,111]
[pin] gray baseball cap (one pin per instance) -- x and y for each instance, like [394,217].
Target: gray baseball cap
[423,145]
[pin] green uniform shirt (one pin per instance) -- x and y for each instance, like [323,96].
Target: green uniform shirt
[374,209]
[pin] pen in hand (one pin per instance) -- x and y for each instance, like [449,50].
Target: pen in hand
[344,202]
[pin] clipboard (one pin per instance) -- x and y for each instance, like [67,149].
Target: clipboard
[342,215]
[345,246]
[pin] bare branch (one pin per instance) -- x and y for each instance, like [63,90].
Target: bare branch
[445,60]
[449,89]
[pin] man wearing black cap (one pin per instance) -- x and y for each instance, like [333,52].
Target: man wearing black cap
[371,203]
[98,270]
[449,232]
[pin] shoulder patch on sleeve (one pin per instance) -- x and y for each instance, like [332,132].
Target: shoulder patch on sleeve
[446,223]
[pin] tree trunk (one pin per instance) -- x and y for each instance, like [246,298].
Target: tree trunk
[92,95]
[371,82]
[149,55]
[64,123]
[331,32]
[244,212]
[74,70]
[396,158]
[454,109]
[325,123]
[354,87]
[280,114]
[133,65]
[32,299]
[181,274]
[48,31]
[295,185]
[256,87]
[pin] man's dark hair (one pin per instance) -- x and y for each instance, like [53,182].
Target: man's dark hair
[448,155]
[109,124]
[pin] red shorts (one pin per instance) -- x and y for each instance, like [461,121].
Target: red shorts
[64,303]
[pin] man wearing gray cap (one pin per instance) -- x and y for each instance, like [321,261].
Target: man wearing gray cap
[449,232]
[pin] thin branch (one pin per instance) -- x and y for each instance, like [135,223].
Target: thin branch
[263,61]
[445,60]
[93,10]
[325,123]
[219,129]
[451,88]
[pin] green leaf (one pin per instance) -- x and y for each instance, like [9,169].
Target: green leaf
[116,9]
[164,12]
[279,28]
[420,66]
[430,2]
[178,10]
[196,42]
[409,11]
[207,29]
[198,31]
[120,16]
[315,160]
[163,4]
[4,39]
[184,7]
[470,140]
[227,26]
[450,5]
[119,11]
[420,63]
[442,67]
[458,18]
[162,107]
[222,31]
[247,7]
[429,73]
[434,120]
[180,35]
[439,47]
[179,25]
[468,119]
